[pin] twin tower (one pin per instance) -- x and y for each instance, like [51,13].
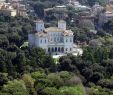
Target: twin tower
[40,25]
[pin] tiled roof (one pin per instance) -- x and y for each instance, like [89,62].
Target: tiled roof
[53,29]
[68,33]
[109,7]
[41,34]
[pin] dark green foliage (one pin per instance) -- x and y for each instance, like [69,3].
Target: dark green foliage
[59,83]
[92,2]
[15,88]
[40,5]
[108,26]
[3,79]
[38,58]
[106,83]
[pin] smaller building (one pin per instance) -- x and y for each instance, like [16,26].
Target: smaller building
[106,15]
[97,9]
[75,4]
[7,9]
[21,10]
[59,12]
[19,7]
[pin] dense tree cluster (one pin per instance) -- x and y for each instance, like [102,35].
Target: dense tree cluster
[40,5]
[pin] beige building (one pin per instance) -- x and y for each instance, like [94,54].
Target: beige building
[7,9]
[109,7]
[21,10]
[13,9]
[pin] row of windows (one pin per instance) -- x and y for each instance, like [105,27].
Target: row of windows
[67,40]
[61,40]
[70,49]
[55,34]
[56,49]
[41,41]
[59,49]
[56,40]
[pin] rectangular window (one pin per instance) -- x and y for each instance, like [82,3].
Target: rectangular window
[41,41]
[70,49]
[70,39]
[57,39]
[54,39]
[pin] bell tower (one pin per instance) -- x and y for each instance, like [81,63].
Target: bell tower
[62,24]
[40,26]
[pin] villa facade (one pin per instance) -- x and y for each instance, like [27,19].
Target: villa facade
[54,40]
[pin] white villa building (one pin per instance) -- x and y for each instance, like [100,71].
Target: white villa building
[54,40]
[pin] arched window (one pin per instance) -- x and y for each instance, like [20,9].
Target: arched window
[62,49]
[52,49]
[70,39]
[61,39]
[45,40]
[41,41]
[49,50]
[70,49]
[57,39]
[55,49]
[59,49]
[66,40]
[66,49]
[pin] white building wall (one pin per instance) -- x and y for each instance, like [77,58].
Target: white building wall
[31,40]
[43,43]
[36,41]
[55,37]
[13,13]
[40,26]
[68,44]
[62,25]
